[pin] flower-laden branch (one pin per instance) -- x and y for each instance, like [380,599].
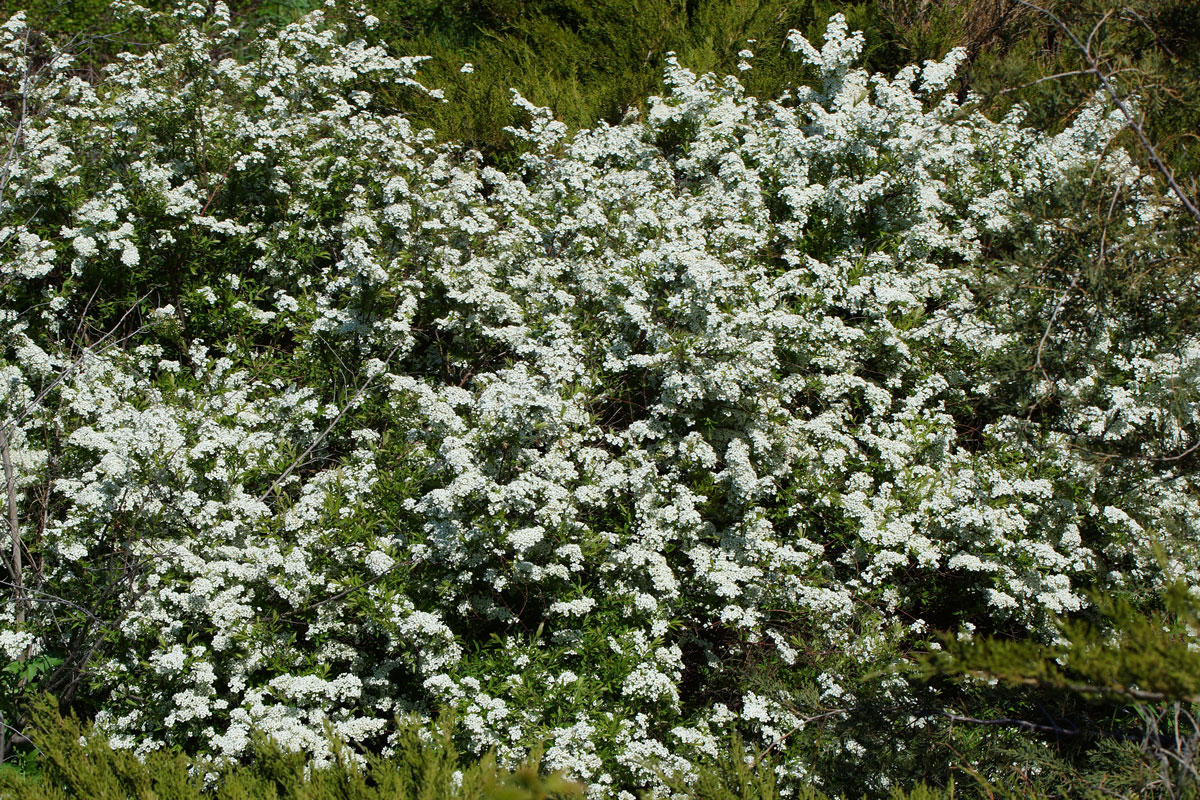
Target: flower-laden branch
[101,346]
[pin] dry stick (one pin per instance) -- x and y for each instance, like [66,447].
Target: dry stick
[14,567]
[1023,724]
[1048,78]
[1152,740]
[27,82]
[1123,107]
[17,737]
[347,591]
[1085,688]
[1186,760]
[1050,325]
[45,597]
[78,337]
[1058,306]
[321,437]
[1158,40]
[1096,29]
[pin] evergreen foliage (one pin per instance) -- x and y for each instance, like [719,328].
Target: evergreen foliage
[1121,650]
[78,764]
[1124,675]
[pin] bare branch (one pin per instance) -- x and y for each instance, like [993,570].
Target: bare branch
[1058,306]
[1151,153]
[1045,78]
[14,566]
[1086,688]
[321,437]
[1023,724]
[801,725]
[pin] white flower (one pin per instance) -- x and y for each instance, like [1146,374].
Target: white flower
[17,644]
[573,608]
[704,379]
[85,246]
[379,562]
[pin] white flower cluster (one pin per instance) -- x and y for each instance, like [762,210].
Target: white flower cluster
[669,397]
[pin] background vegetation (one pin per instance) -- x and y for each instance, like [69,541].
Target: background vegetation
[592,61]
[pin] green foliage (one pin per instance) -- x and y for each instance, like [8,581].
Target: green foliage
[734,776]
[1116,676]
[738,774]
[78,764]
[1123,650]
[1121,685]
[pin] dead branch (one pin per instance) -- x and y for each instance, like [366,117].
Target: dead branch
[1122,105]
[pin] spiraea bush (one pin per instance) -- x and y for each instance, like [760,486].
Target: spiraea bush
[701,422]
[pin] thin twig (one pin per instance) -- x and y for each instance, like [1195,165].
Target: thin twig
[20,737]
[1123,107]
[14,567]
[1087,688]
[1048,78]
[347,591]
[1050,325]
[1023,724]
[801,725]
[45,597]
[321,437]
[1087,48]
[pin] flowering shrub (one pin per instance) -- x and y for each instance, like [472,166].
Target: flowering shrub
[691,422]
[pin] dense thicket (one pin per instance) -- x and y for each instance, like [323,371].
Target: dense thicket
[622,438]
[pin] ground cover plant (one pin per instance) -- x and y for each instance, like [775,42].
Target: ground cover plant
[710,421]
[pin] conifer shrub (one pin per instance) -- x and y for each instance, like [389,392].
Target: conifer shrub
[1124,675]
[78,764]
